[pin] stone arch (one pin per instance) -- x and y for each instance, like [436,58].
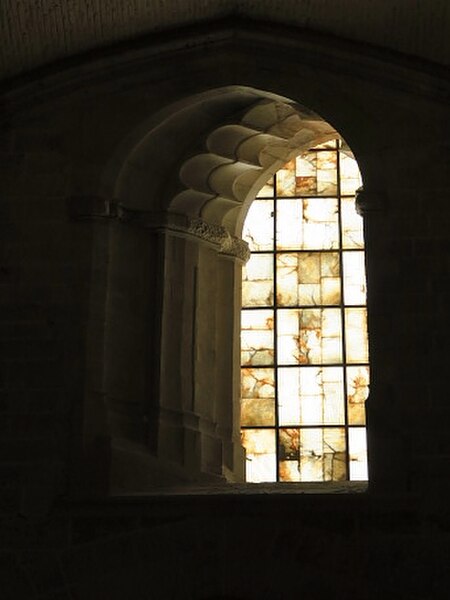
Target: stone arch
[224,145]
[186,180]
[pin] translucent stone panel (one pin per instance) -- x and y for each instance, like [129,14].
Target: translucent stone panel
[357,441]
[257,281]
[356,335]
[307,224]
[308,278]
[309,336]
[257,344]
[352,225]
[357,393]
[261,459]
[316,174]
[354,278]
[258,226]
[258,397]
[311,396]
[315,454]
[326,173]
[308,410]
[306,175]
[350,177]
[286,179]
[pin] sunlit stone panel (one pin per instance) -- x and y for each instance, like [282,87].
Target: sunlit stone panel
[305,371]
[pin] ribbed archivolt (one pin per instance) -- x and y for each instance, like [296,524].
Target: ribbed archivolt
[241,156]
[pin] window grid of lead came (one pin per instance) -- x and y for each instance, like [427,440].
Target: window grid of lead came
[305,371]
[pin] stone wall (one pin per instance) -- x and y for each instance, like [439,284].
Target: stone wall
[93,415]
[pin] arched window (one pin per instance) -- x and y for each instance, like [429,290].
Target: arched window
[305,369]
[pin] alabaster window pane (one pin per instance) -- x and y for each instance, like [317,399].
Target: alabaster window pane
[357,393]
[257,347]
[335,467]
[309,336]
[260,446]
[357,442]
[322,454]
[289,224]
[288,386]
[289,444]
[306,175]
[289,470]
[287,279]
[258,226]
[257,281]
[260,468]
[311,460]
[330,283]
[350,176]
[354,278]
[308,224]
[320,224]
[257,412]
[352,225]
[308,279]
[301,420]
[258,397]
[356,335]
[326,173]
[286,179]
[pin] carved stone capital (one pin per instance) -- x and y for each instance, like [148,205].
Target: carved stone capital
[236,248]
[368,202]
[95,207]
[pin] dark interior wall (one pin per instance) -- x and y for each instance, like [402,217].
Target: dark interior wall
[80,341]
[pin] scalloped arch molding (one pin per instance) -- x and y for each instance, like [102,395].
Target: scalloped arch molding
[224,145]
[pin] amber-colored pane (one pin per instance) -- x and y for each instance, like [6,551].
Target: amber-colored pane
[257,345]
[306,175]
[260,446]
[258,226]
[287,280]
[257,412]
[357,442]
[258,396]
[309,336]
[354,278]
[357,393]
[289,470]
[286,179]
[352,225]
[308,278]
[327,173]
[356,335]
[257,281]
[322,455]
[289,444]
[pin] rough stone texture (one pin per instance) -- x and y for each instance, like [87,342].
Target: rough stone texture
[37,32]
[94,306]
